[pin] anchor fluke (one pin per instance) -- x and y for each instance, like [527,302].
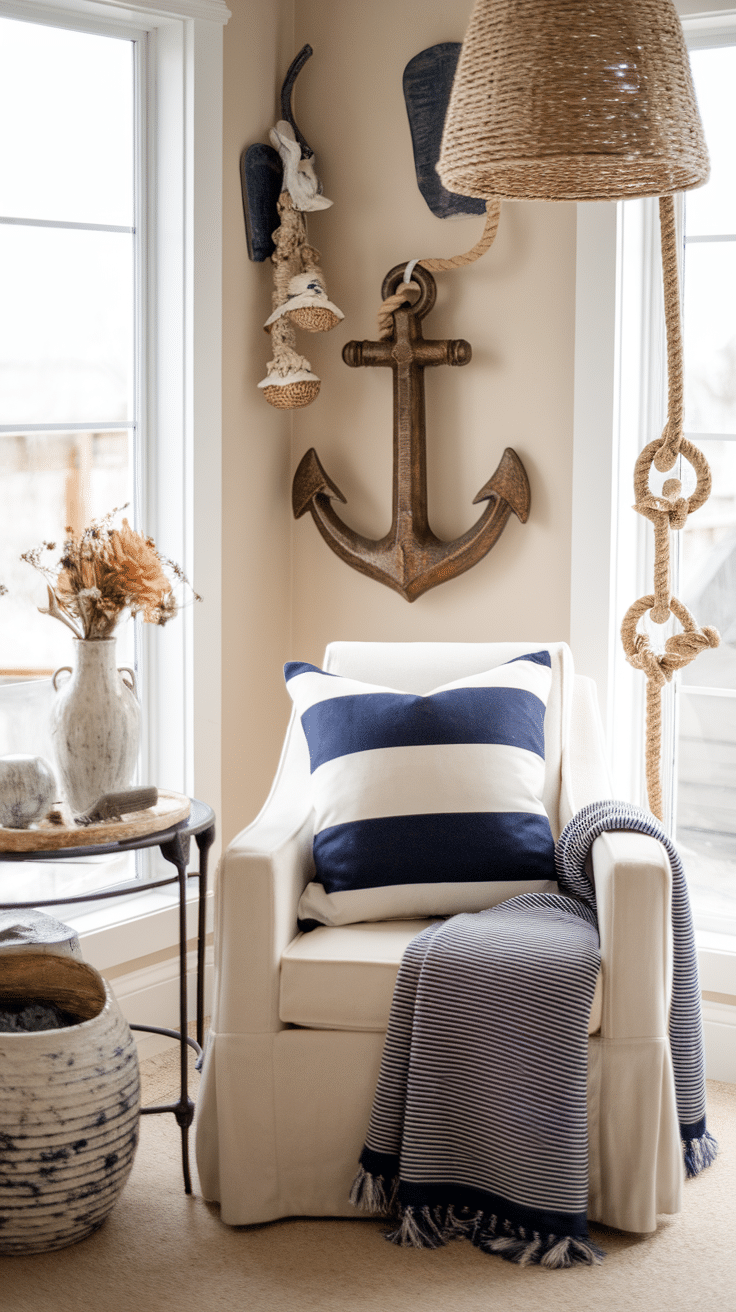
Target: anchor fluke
[510,484]
[310,481]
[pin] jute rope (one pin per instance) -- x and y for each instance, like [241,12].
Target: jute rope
[403,292]
[292,255]
[666,512]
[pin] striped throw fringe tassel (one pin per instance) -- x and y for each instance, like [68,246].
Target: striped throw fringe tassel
[427,1227]
[699,1153]
[371,1193]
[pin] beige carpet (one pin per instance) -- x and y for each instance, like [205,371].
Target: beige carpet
[161,1250]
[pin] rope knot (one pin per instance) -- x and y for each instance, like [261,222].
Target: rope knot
[668,452]
[649,662]
[679,650]
[391,303]
[660,508]
[682,648]
[678,513]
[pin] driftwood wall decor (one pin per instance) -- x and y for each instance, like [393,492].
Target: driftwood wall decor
[410,558]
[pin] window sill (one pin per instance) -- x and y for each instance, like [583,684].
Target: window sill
[717,962]
[121,930]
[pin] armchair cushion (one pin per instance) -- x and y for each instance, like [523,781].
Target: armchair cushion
[342,978]
[425,805]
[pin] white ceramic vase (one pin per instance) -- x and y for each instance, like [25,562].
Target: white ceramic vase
[95,724]
[69,1105]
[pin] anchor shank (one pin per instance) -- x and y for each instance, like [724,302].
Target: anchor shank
[409,518]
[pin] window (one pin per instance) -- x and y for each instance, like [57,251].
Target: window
[705,811]
[159,447]
[70,338]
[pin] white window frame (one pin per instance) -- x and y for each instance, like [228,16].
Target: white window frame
[619,393]
[181,377]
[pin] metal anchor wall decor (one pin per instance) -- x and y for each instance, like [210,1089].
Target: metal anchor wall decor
[410,558]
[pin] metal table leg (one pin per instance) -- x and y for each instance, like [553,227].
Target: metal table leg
[204,843]
[177,852]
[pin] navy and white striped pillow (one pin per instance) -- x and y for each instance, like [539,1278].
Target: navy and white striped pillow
[425,806]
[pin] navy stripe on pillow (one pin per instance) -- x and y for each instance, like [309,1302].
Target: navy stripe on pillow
[342,725]
[469,847]
[292,668]
[538,657]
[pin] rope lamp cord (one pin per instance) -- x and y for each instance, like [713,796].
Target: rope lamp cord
[589,100]
[668,511]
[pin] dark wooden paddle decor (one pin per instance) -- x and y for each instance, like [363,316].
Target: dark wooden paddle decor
[410,558]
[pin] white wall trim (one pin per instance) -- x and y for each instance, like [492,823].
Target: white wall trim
[136,13]
[719,1033]
[151,997]
[111,935]
[595,446]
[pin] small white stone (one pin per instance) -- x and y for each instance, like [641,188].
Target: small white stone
[27,789]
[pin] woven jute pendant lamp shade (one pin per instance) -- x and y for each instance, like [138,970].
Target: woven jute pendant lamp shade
[573,100]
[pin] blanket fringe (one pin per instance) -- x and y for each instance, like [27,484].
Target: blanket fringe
[417,1230]
[432,1228]
[699,1153]
[368,1192]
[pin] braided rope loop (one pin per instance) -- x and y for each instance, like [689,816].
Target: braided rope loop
[659,667]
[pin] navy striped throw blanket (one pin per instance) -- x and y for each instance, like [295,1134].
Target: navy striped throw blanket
[479,1123]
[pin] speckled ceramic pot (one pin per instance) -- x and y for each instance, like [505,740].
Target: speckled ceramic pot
[69,1106]
[95,724]
[27,790]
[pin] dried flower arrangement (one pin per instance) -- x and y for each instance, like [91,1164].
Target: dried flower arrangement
[104,572]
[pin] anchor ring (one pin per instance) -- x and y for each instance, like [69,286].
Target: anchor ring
[427,288]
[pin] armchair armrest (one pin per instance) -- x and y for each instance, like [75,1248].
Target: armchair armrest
[633,884]
[260,880]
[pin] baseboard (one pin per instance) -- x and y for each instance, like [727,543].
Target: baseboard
[719,1028]
[151,997]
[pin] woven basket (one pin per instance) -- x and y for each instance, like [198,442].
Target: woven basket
[293,395]
[314,318]
[69,1102]
[573,100]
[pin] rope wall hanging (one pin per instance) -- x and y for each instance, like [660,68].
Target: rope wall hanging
[280,186]
[577,100]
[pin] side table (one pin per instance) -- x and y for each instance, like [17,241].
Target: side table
[174,844]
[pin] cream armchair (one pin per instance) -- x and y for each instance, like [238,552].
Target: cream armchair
[299,1019]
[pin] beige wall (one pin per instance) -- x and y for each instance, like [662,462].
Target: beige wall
[516,309]
[256,517]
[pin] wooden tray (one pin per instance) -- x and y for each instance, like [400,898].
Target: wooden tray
[44,837]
